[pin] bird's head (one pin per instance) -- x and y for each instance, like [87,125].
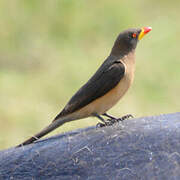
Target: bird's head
[127,40]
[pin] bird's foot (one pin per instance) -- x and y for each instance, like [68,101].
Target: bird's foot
[107,123]
[111,121]
[99,125]
[125,117]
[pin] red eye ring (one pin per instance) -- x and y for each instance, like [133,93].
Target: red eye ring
[134,35]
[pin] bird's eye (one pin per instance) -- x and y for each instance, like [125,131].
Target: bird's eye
[134,35]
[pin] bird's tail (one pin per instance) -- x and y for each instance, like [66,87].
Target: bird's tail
[56,123]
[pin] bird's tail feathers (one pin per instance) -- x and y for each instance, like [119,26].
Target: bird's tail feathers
[51,127]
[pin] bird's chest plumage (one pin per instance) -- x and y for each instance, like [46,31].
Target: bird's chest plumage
[113,96]
[104,103]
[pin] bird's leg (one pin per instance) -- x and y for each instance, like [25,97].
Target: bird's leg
[112,119]
[109,122]
[102,119]
[109,116]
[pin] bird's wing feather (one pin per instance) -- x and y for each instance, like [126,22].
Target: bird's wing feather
[97,86]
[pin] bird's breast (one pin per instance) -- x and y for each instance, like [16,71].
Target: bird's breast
[104,103]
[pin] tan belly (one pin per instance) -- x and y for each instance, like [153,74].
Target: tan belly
[106,102]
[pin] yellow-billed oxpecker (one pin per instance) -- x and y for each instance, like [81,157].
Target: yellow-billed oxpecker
[105,88]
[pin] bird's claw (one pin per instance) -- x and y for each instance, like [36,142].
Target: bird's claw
[107,123]
[99,125]
[111,121]
[125,117]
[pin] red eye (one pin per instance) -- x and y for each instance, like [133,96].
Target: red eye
[134,35]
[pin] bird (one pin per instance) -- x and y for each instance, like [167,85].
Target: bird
[105,88]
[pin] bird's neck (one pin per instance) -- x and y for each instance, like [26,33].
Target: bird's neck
[128,57]
[120,51]
[129,61]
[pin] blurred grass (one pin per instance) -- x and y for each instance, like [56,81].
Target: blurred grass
[48,49]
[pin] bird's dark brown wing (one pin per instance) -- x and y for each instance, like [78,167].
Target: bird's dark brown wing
[102,82]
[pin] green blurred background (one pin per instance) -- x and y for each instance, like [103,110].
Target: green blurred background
[48,49]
